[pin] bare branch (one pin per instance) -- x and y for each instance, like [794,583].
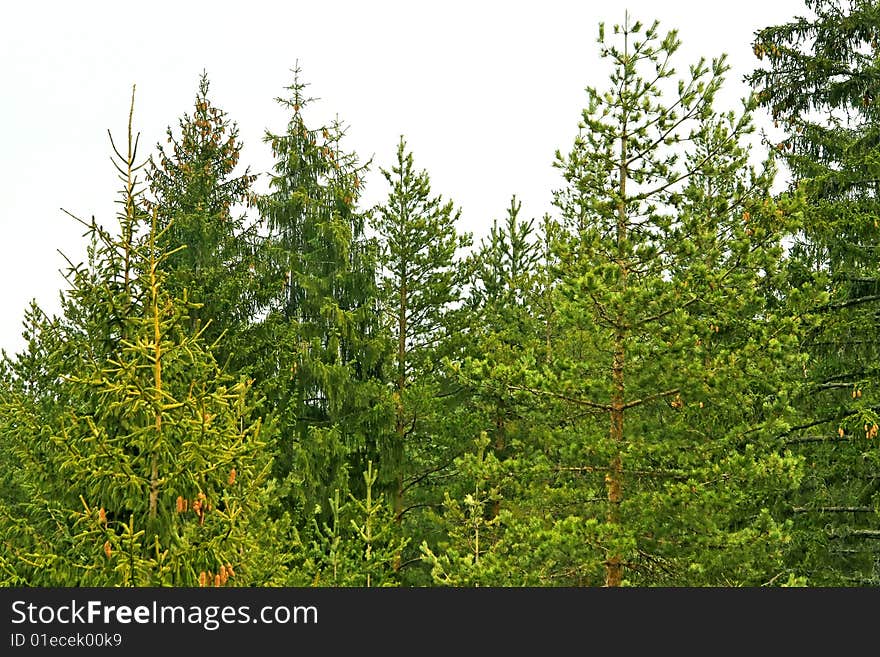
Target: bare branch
[556,395]
[835,509]
[643,400]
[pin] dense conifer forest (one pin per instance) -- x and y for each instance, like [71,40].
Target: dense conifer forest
[668,380]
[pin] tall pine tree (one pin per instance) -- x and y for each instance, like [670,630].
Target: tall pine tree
[422,277]
[652,456]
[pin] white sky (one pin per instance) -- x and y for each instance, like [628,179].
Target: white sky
[484,93]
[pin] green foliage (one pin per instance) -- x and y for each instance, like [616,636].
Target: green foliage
[507,316]
[421,280]
[470,551]
[196,192]
[682,375]
[818,80]
[667,382]
[661,379]
[357,546]
[317,354]
[507,259]
[140,466]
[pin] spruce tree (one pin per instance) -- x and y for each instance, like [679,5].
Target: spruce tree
[318,354]
[358,544]
[817,78]
[196,194]
[139,465]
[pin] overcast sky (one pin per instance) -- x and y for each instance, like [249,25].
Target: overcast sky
[484,93]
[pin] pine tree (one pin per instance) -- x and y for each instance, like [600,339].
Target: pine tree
[818,80]
[652,454]
[507,260]
[478,539]
[422,278]
[421,283]
[471,554]
[506,306]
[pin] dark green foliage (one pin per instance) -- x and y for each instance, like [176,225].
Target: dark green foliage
[318,353]
[509,320]
[421,280]
[196,194]
[818,79]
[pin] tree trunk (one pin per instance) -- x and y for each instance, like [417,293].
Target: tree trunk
[400,420]
[613,565]
[157,373]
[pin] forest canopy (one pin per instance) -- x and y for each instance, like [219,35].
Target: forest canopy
[667,380]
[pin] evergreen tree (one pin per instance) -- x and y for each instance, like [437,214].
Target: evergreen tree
[139,467]
[358,545]
[507,313]
[196,192]
[508,305]
[818,80]
[470,554]
[318,354]
[421,276]
[421,282]
[672,252]
[507,261]
[651,456]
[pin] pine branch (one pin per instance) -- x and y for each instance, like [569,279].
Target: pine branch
[638,402]
[428,473]
[849,303]
[556,395]
[818,439]
[864,533]
[834,509]
[654,318]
